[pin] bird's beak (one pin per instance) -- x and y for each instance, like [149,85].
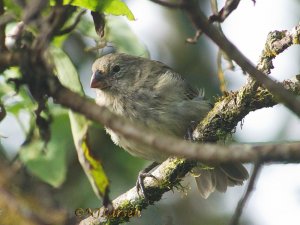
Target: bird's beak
[98,80]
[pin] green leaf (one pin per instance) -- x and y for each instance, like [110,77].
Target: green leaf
[68,76]
[17,101]
[12,7]
[113,7]
[65,70]
[119,33]
[50,164]
[117,8]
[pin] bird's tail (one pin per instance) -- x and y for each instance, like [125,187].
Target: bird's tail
[219,178]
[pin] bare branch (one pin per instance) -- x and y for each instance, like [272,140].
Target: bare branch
[72,27]
[33,10]
[194,39]
[175,168]
[199,20]
[8,59]
[99,23]
[175,146]
[229,7]
[2,29]
[168,175]
[53,24]
[277,42]
[245,198]
[231,109]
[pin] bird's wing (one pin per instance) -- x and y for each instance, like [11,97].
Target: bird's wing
[190,92]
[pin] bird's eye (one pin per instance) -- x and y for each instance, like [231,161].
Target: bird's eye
[116,68]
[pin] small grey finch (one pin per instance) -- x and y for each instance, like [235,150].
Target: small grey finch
[151,93]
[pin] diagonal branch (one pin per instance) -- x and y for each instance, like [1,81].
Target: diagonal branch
[231,109]
[173,170]
[276,43]
[229,7]
[239,209]
[200,21]
[179,147]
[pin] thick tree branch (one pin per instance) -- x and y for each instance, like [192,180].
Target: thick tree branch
[231,109]
[175,146]
[204,153]
[201,22]
[9,59]
[277,42]
[168,175]
[175,168]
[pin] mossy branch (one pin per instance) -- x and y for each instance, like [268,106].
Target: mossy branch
[231,109]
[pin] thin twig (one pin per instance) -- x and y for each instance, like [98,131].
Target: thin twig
[2,29]
[194,39]
[276,43]
[72,27]
[221,76]
[55,22]
[223,88]
[250,188]
[229,7]
[200,21]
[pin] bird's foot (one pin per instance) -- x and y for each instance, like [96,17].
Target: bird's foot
[140,186]
[189,133]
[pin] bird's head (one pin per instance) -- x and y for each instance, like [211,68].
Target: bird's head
[115,72]
[119,73]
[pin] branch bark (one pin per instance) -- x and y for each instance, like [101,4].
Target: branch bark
[201,23]
[179,147]
[231,109]
[2,29]
[250,188]
[171,171]
[178,168]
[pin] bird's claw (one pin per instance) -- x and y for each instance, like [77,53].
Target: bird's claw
[189,133]
[140,186]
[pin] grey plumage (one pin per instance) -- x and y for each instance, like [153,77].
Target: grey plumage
[151,93]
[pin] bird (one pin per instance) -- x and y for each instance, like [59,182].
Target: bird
[151,93]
